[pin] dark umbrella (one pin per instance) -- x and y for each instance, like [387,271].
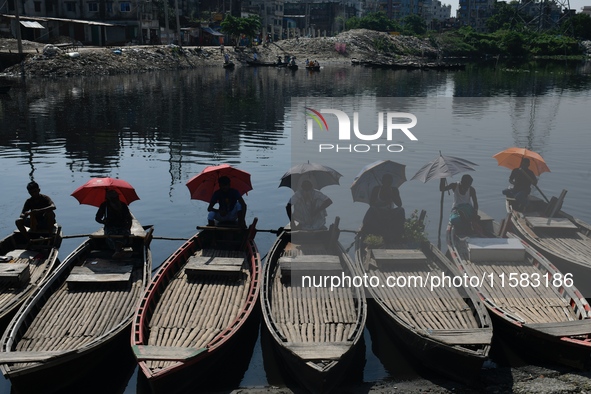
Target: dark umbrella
[442,167]
[93,192]
[371,175]
[319,175]
[203,185]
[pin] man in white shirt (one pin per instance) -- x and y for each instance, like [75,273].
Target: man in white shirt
[309,208]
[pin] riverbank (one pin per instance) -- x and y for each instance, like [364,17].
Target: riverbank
[360,44]
[522,380]
[85,61]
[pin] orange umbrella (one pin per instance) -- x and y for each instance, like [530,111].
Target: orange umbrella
[511,158]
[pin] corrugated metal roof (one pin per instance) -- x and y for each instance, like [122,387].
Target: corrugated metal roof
[211,31]
[32,24]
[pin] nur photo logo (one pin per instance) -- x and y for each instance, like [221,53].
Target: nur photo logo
[388,122]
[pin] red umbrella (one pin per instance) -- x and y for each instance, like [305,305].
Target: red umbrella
[93,191]
[205,183]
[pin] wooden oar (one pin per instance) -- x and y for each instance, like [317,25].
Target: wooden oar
[122,236]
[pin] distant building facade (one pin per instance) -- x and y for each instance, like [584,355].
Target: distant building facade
[474,13]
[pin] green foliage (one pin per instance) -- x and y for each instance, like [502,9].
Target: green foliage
[414,25]
[506,17]
[378,21]
[581,24]
[513,43]
[414,229]
[236,26]
[373,241]
[384,45]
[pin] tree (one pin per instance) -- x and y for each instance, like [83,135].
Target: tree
[581,26]
[250,26]
[414,25]
[505,17]
[232,25]
[378,21]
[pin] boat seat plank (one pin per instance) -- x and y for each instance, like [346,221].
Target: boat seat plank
[310,263]
[543,222]
[561,329]
[14,273]
[398,256]
[213,265]
[166,353]
[136,231]
[319,351]
[101,273]
[463,337]
[26,357]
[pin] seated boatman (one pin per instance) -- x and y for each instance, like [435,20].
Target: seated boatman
[309,208]
[231,205]
[38,211]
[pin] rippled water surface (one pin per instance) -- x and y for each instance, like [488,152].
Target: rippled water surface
[158,130]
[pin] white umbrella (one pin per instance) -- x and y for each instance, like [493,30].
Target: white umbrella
[442,167]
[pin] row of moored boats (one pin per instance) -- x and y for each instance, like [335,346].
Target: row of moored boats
[187,319]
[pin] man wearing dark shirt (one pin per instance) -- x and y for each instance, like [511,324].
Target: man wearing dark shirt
[522,179]
[231,205]
[38,211]
[115,215]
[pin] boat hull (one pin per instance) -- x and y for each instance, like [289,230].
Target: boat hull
[184,372]
[324,371]
[85,320]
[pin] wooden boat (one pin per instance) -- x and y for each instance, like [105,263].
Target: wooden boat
[563,239]
[258,63]
[292,67]
[217,275]
[228,65]
[530,302]
[313,68]
[445,328]
[69,323]
[315,331]
[23,267]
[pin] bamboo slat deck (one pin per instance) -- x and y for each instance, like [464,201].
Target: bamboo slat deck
[445,327]
[548,320]
[540,304]
[315,330]
[565,240]
[199,303]
[191,312]
[71,317]
[41,260]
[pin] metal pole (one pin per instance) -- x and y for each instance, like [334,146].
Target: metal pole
[140,33]
[178,23]
[19,38]
[166,22]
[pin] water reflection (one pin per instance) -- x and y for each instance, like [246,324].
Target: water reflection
[157,130]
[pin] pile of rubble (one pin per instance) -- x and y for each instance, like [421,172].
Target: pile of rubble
[51,61]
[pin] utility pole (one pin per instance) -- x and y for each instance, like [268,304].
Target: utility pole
[166,22]
[178,23]
[19,38]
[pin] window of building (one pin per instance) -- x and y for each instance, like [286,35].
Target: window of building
[125,7]
[49,5]
[37,5]
[109,7]
[10,5]
[70,6]
[92,7]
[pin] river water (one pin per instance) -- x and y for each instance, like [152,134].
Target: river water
[158,130]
